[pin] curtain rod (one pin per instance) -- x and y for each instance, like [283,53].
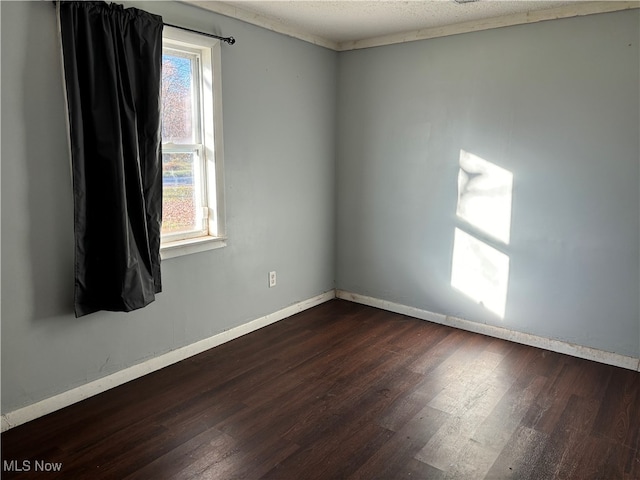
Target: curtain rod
[229,40]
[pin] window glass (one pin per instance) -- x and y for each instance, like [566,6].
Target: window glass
[183,170]
[179,108]
[179,195]
[192,164]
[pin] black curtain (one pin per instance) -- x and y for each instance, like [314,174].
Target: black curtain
[112,65]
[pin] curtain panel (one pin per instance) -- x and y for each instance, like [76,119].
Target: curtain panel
[112,64]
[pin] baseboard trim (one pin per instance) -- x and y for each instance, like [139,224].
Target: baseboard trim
[553,345]
[62,400]
[57,402]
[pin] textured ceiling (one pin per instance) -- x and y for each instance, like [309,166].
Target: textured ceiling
[342,21]
[347,24]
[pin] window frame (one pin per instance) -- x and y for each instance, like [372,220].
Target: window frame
[210,99]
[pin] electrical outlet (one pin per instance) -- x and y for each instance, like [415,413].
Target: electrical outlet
[272,279]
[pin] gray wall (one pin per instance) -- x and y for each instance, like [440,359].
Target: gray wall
[279,126]
[556,104]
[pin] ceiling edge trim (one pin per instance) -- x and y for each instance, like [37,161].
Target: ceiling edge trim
[263,21]
[566,11]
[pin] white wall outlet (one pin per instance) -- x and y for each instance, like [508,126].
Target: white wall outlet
[272,279]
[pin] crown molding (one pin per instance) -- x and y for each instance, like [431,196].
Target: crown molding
[263,21]
[566,11]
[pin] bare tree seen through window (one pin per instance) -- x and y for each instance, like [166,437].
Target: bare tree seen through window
[178,128]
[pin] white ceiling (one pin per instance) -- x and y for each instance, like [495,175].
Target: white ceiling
[349,24]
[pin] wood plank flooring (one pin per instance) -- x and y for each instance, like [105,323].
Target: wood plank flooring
[345,391]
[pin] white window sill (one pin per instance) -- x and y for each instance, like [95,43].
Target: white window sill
[192,245]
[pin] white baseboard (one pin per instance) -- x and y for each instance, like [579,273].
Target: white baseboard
[57,402]
[558,346]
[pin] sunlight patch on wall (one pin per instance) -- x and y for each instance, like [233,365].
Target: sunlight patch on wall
[478,270]
[484,196]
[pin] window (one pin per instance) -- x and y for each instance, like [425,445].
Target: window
[192,173]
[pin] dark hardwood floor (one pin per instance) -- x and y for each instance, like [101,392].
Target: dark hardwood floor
[348,391]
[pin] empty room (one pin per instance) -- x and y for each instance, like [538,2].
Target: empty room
[320,239]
